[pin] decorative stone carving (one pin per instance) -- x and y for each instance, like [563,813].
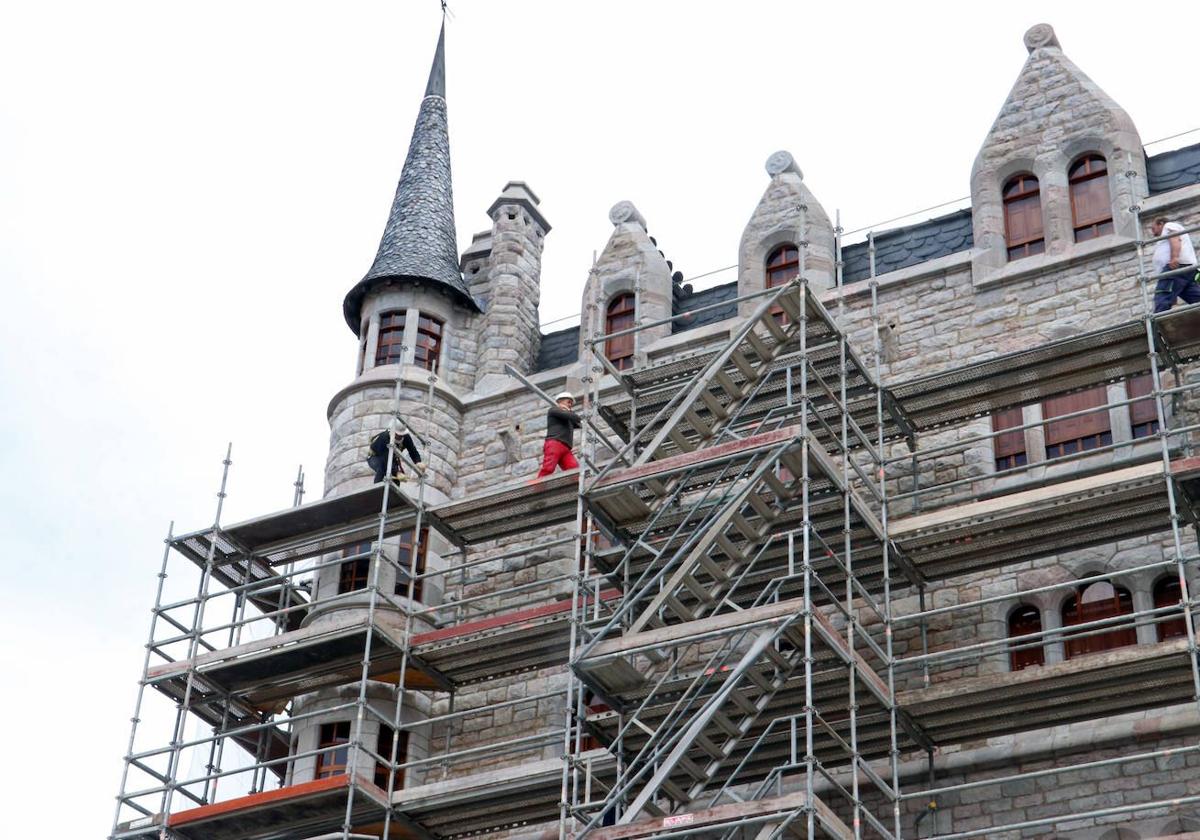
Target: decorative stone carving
[782,161]
[1041,35]
[624,212]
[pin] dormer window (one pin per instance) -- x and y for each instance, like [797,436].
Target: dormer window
[1023,230]
[1091,205]
[620,316]
[783,266]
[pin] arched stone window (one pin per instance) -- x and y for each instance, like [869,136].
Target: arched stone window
[1167,593]
[1021,622]
[620,316]
[783,265]
[1091,204]
[1024,232]
[1095,602]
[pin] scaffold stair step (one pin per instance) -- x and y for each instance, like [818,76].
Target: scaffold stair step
[727,384]
[702,593]
[745,367]
[765,351]
[703,429]
[714,406]
[791,305]
[774,328]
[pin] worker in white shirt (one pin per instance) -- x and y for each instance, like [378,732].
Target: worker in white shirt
[1174,256]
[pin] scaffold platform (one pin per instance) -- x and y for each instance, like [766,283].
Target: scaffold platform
[716,821]
[1024,525]
[503,644]
[267,673]
[1095,685]
[1109,354]
[495,800]
[301,810]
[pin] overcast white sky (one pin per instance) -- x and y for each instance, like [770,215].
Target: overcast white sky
[187,190]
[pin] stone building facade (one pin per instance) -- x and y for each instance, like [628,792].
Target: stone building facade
[950,293]
[1046,252]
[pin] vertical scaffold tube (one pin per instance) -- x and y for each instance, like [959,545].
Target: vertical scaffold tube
[193,646]
[1165,447]
[141,692]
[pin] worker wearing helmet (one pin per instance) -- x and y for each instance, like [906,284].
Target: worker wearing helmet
[561,423]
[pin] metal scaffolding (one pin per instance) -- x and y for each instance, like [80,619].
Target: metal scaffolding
[737,662]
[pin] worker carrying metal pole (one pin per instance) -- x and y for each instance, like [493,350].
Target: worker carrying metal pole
[561,423]
[377,453]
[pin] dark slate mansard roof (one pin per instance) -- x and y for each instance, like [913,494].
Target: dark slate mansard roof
[894,249]
[419,242]
[1173,169]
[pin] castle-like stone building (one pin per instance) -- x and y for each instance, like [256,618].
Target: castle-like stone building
[1061,192]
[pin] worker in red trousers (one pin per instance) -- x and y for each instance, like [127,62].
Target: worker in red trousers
[561,423]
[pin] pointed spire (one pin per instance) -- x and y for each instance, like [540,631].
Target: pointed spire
[419,242]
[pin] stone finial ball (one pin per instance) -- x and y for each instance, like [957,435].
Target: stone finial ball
[1040,35]
[781,162]
[623,212]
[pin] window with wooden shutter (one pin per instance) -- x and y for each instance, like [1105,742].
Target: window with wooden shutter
[1143,414]
[1091,205]
[1010,447]
[620,316]
[783,266]
[1023,621]
[1023,229]
[1096,602]
[1168,593]
[1076,434]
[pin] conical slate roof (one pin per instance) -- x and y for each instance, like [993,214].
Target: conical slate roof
[419,241]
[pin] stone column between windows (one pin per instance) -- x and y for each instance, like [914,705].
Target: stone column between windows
[368,359]
[1035,436]
[412,318]
[1143,600]
[1118,416]
[1053,648]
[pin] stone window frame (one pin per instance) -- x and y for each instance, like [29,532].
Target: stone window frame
[410,332]
[404,544]
[381,332]
[383,747]
[1031,245]
[1099,226]
[1120,419]
[621,350]
[1141,585]
[1041,646]
[354,575]
[1171,628]
[783,274]
[1112,630]
[326,767]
